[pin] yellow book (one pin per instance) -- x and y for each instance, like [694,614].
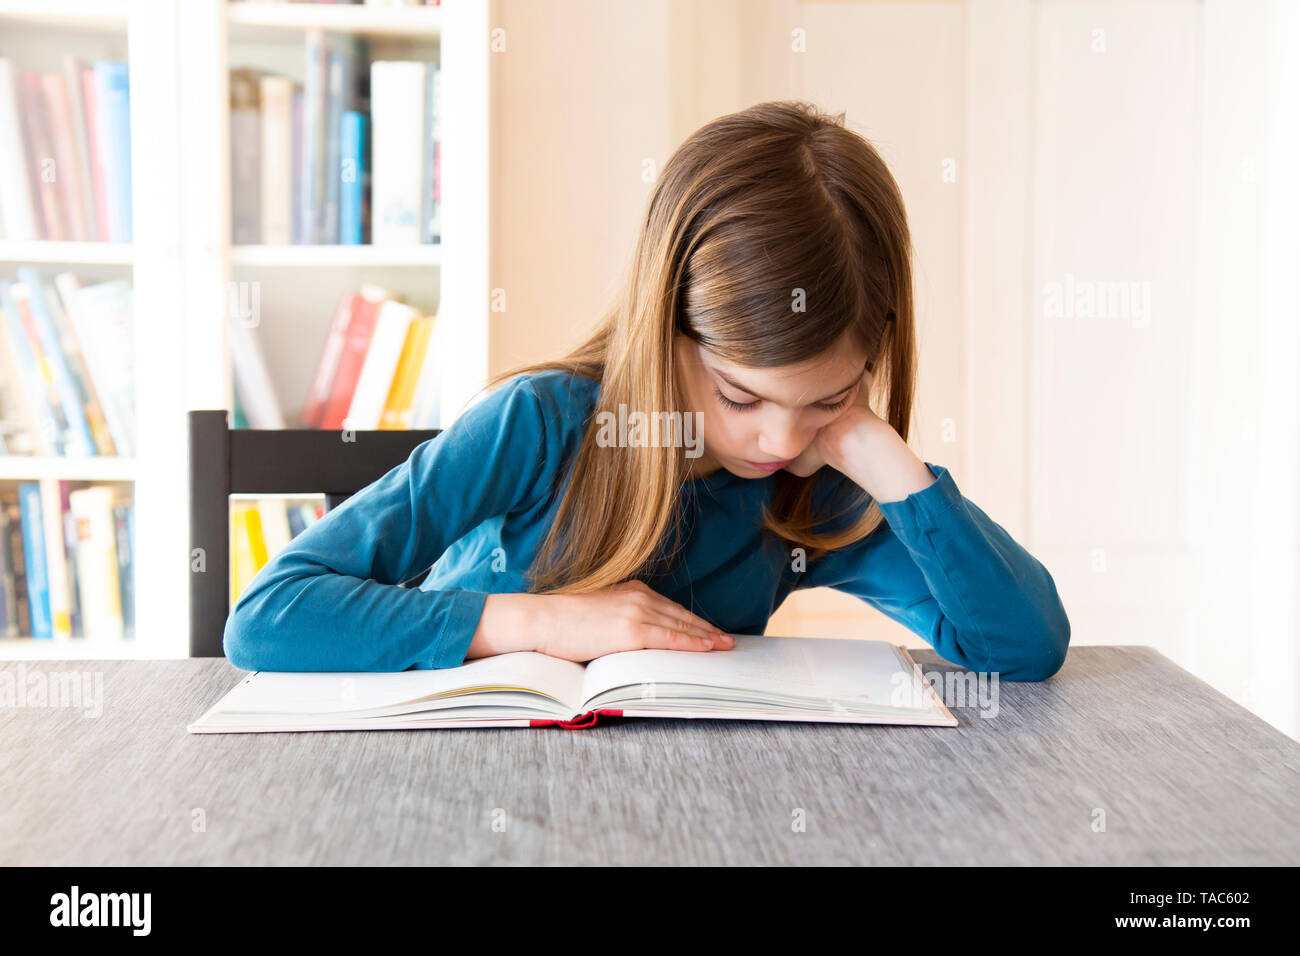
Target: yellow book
[242,566]
[397,407]
[256,540]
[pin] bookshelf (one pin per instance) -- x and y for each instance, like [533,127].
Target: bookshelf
[181,259]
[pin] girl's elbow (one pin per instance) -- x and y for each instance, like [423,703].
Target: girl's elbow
[1047,642]
[237,643]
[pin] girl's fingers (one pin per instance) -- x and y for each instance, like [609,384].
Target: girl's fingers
[678,613]
[718,640]
[675,639]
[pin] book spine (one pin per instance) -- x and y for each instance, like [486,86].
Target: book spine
[95,143]
[314,106]
[67,175]
[396,95]
[38,588]
[245,157]
[16,555]
[277,177]
[113,96]
[122,526]
[328,217]
[82,381]
[380,367]
[36,370]
[360,331]
[352,178]
[76,621]
[101,601]
[40,164]
[75,89]
[101,315]
[8,602]
[15,197]
[80,441]
[314,409]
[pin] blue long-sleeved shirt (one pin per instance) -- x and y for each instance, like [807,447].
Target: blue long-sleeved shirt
[476,501]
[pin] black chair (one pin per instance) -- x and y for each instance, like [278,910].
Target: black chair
[226,461]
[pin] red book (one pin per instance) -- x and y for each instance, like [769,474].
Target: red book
[93,138]
[313,412]
[62,139]
[40,157]
[361,327]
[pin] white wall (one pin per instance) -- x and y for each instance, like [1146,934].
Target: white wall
[1147,457]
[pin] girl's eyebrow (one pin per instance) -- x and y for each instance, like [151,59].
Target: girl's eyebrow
[745,388]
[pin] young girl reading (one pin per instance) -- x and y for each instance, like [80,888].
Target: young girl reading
[714,446]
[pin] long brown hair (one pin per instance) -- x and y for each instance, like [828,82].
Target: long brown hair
[751,208]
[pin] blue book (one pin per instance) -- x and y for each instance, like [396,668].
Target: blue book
[80,441]
[353,179]
[38,581]
[113,102]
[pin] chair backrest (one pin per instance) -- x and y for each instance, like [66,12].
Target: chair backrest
[225,461]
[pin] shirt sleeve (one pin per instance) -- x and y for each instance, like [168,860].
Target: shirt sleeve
[952,575]
[330,600]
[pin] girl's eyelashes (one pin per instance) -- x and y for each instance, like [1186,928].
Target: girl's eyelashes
[738,406]
[745,406]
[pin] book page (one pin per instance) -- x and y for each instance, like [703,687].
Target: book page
[282,692]
[819,668]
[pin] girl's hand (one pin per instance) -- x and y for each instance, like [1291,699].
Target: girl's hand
[826,446]
[623,617]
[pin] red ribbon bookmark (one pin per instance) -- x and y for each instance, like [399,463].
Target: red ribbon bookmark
[581,722]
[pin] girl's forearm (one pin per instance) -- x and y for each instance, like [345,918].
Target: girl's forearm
[508,623]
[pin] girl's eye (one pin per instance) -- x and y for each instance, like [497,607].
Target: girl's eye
[738,406]
[743,406]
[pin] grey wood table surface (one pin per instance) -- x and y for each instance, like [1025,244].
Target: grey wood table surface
[1121,758]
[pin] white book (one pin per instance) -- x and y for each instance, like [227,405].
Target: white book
[256,393]
[16,213]
[397,92]
[276,535]
[761,678]
[382,356]
[276,159]
[102,316]
[97,581]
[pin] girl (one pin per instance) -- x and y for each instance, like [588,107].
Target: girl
[769,302]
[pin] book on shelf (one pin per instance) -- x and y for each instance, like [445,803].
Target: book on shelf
[820,680]
[259,530]
[67,354]
[326,160]
[76,581]
[65,152]
[377,370]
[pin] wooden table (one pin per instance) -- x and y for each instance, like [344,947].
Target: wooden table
[1121,738]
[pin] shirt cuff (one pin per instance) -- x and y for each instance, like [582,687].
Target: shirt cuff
[927,509]
[458,627]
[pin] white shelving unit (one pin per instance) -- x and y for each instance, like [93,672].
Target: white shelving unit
[182,259]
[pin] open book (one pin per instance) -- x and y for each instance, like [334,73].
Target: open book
[761,678]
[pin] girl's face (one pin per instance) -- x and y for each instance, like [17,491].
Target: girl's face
[757,420]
